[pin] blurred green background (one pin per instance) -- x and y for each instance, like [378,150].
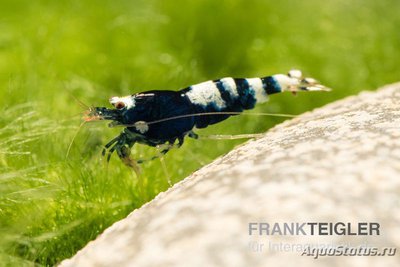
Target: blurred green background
[53,51]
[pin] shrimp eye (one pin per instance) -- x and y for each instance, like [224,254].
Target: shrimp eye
[119,105]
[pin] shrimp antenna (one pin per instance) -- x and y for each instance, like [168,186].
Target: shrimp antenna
[222,113]
[79,101]
[73,139]
[139,123]
[231,136]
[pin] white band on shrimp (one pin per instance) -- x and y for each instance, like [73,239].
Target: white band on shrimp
[128,101]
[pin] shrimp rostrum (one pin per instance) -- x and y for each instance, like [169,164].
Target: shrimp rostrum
[163,119]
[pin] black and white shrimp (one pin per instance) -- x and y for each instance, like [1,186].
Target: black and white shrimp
[164,118]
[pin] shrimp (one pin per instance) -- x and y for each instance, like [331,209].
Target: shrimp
[163,119]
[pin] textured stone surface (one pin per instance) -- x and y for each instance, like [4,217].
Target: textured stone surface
[337,163]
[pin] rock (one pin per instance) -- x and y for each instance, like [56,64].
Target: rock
[339,163]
